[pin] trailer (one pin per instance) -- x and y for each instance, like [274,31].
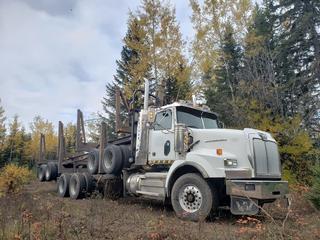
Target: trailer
[178,153]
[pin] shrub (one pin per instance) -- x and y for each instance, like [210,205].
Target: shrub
[314,194]
[290,177]
[12,178]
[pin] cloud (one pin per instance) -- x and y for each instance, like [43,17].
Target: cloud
[57,56]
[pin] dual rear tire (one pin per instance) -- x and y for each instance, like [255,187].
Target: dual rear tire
[75,185]
[115,158]
[47,172]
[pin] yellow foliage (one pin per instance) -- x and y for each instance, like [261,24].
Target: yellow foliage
[295,144]
[12,178]
[45,127]
[290,177]
[292,137]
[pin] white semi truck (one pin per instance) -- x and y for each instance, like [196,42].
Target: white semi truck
[178,153]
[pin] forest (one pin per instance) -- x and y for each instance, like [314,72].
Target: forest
[256,65]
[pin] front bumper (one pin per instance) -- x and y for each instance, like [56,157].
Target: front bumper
[247,195]
[257,189]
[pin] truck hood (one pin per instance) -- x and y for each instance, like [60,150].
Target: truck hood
[235,144]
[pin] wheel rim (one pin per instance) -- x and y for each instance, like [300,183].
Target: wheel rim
[190,198]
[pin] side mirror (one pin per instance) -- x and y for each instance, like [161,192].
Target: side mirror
[179,137]
[151,115]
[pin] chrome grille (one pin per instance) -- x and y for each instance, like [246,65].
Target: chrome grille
[266,158]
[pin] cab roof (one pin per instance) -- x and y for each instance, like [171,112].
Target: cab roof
[186,104]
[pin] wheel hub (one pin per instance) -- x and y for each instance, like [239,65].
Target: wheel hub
[190,198]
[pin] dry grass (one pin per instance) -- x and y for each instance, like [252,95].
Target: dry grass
[36,213]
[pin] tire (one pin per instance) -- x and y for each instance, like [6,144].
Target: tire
[125,155]
[93,162]
[89,182]
[77,186]
[112,162]
[41,172]
[192,198]
[63,185]
[113,188]
[51,171]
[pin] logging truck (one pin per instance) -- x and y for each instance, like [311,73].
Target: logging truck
[180,154]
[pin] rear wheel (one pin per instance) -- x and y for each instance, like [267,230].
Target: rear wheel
[77,187]
[93,161]
[51,171]
[89,182]
[63,185]
[125,155]
[192,198]
[112,162]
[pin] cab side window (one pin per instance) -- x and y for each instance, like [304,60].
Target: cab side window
[163,120]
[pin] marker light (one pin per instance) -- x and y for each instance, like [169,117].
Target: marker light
[219,151]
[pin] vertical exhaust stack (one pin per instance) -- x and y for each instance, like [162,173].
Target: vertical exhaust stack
[146,95]
[61,146]
[142,130]
[42,152]
[194,100]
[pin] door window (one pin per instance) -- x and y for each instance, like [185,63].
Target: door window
[163,120]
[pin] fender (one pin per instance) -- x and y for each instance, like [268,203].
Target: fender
[179,164]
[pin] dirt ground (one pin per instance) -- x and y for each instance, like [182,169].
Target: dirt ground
[37,213]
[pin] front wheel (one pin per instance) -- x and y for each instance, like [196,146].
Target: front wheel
[192,198]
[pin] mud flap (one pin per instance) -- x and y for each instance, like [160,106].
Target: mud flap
[244,206]
[288,200]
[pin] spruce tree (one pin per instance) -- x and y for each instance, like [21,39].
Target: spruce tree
[259,82]
[2,134]
[314,194]
[17,143]
[298,57]
[222,83]
[132,69]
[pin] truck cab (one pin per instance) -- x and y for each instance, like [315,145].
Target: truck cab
[199,166]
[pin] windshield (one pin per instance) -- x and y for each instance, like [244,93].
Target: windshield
[196,119]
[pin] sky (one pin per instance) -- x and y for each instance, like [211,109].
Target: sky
[57,55]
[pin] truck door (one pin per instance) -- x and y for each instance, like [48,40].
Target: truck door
[161,138]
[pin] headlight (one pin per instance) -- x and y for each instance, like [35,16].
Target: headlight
[230,162]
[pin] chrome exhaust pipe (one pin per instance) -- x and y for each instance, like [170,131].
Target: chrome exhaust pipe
[146,95]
